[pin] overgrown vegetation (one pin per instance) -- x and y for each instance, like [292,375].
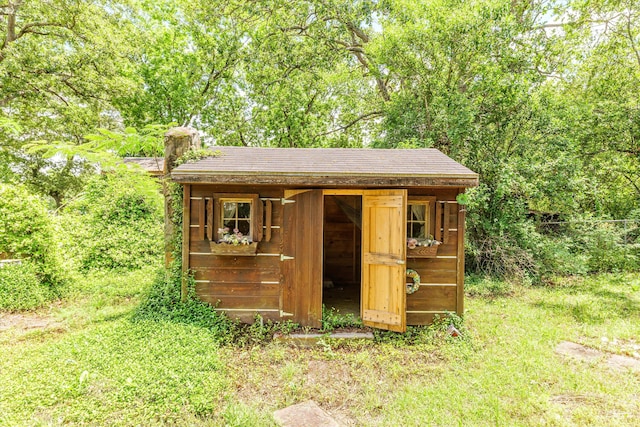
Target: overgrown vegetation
[115,223]
[27,234]
[550,122]
[93,365]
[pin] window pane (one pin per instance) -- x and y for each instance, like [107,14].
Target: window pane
[244,227]
[244,210]
[229,209]
[418,212]
[230,224]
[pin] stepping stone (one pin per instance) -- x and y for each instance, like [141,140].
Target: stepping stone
[578,351]
[588,354]
[622,363]
[305,414]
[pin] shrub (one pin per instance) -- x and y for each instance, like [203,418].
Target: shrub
[27,232]
[501,241]
[116,223]
[20,288]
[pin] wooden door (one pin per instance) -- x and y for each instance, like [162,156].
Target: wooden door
[383,259]
[302,257]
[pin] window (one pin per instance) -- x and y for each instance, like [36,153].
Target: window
[236,214]
[420,217]
[238,211]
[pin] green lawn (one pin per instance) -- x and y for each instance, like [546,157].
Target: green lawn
[93,366]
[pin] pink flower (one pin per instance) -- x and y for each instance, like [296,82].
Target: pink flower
[236,231]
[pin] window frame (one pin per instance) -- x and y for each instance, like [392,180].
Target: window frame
[430,213]
[255,215]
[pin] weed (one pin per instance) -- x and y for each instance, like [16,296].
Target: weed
[332,319]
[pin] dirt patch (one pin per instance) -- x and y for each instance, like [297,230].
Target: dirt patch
[588,354]
[26,322]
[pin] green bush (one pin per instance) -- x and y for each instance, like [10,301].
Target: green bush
[20,288]
[117,222]
[605,247]
[582,247]
[27,232]
[501,241]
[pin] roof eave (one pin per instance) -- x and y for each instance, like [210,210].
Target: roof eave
[327,179]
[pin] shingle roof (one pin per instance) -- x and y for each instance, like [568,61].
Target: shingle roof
[153,165]
[356,166]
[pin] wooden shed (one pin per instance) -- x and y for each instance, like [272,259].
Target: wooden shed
[326,226]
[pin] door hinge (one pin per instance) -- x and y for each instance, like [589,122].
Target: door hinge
[285,201]
[285,314]
[284,257]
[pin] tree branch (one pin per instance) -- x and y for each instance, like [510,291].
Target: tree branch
[631,39]
[350,124]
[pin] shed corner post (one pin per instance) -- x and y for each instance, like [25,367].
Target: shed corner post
[460,259]
[177,141]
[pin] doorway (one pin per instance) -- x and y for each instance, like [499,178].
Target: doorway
[342,253]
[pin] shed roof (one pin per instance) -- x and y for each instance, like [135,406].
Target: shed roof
[328,166]
[153,165]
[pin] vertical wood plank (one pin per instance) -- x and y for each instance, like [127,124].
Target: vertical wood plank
[287,268]
[210,229]
[438,230]
[201,218]
[303,231]
[267,221]
[316,202]
[383,299]
[460,262]
[445,224]
[186,227]
[259,215]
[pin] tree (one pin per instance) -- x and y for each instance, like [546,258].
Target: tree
[62,62]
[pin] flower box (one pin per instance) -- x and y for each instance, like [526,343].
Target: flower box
[234,250]
[423,252]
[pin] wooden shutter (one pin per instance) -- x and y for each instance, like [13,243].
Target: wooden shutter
[383,259]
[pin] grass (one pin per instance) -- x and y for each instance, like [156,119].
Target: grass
[94,366]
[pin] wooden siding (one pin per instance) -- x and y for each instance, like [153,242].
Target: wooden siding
[442,278]
[240,285]
[245,285]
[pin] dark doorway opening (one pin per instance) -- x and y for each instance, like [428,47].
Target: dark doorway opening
[342,253]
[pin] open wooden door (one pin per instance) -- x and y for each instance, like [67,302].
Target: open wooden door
[302,257]
[383,259]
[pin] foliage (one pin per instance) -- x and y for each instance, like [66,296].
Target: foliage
[116,223]
[62,63]
[27,232]
[234,237]
[333,319]
[20,287]
[195,155]
[539,98]
[603,246]
[161,372]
